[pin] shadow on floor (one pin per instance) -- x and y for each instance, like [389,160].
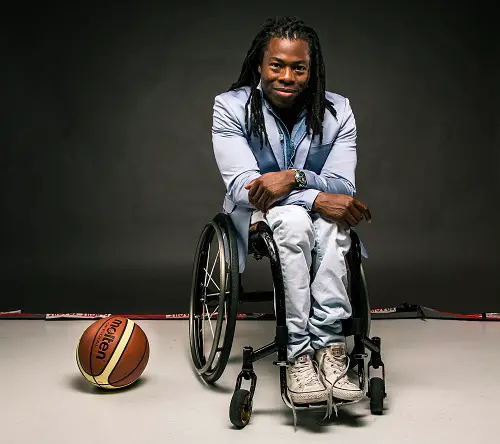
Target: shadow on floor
[79,383]
[312,420]
[217,387]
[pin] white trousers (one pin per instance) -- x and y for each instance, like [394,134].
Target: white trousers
[297,233]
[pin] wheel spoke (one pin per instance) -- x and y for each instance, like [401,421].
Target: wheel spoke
[212,271]
[209,321]
[214,294]
[208,260]
[210,277]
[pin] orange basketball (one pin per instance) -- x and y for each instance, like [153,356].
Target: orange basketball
[112,352]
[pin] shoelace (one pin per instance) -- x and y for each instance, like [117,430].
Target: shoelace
[304,371]
[341,361]
[314,376]
[342,378]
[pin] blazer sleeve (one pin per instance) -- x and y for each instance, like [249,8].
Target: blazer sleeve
[235,160]
[338,174]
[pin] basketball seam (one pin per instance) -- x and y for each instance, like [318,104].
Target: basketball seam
[124,348]
[144,354]
[91,346]
[117,342]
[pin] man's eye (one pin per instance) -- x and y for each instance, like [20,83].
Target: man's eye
[275,65]
[301,68]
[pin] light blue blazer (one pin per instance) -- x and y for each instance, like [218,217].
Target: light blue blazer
[329,166]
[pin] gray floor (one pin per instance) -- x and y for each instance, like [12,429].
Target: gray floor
[442,381]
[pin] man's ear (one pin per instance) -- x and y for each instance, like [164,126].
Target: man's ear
[260,71]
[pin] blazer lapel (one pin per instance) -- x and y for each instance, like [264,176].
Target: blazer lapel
[302,151]
[274,137]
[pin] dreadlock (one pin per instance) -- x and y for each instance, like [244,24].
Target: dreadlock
[315,100]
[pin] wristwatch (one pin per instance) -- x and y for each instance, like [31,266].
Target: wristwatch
[300,178]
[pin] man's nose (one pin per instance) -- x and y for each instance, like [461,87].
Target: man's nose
[287,75]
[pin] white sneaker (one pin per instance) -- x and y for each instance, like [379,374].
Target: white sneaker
[303,383]
[332,363]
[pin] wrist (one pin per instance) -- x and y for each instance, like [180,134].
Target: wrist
[316,206]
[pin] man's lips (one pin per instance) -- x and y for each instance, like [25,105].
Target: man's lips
[285,92]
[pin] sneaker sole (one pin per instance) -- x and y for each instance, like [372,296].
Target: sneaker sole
[346,395]
[308,398]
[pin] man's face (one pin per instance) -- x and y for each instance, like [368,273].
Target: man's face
[285,71]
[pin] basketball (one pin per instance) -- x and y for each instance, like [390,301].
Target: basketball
[112,352]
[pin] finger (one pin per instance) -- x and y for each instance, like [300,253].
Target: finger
[253,191]
[262,201]
[364,209]
[247,187]
[351,220]
[356,213]
[270,201]
[265,204]
[258,194]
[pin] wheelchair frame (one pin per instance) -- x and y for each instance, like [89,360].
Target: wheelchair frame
[230,294]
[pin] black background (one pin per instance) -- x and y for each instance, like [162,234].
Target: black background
[107,170]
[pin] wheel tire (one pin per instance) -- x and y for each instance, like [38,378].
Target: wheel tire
[365,301]
[377,395]
[210,372]
[240,409]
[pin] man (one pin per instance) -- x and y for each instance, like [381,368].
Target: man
[286,150]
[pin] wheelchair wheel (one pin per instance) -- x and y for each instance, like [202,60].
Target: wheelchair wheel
[240,409]
[214,298]
[377,395]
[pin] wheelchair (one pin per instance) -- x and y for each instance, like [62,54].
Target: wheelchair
[214,312]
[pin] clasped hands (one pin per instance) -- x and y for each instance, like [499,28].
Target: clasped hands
[269,188]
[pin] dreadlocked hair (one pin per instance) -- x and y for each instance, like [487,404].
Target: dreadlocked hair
[293,29]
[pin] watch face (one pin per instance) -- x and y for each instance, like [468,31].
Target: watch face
[300,177]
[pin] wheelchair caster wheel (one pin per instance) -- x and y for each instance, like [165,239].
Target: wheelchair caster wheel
[241,408]
[377,395]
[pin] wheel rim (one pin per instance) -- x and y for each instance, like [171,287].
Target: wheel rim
[210,301]
[246,410]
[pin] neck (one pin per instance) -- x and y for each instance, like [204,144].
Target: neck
[289,115]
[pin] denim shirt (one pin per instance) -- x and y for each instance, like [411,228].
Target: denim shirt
[288,141]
